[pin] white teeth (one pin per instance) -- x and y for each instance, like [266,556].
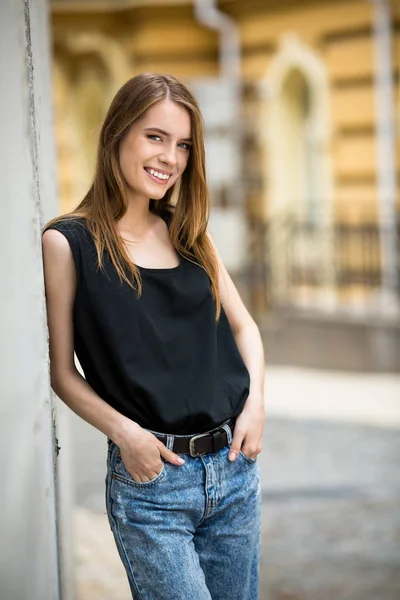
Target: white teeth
[159,175]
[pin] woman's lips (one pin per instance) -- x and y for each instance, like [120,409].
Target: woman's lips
[156,179]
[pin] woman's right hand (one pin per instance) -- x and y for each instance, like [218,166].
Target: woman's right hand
[141,453]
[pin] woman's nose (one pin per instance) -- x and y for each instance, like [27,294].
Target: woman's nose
[168,156]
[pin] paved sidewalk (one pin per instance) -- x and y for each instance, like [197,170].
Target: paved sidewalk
[330,489]
[347,397]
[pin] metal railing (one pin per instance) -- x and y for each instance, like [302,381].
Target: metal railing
[288,254]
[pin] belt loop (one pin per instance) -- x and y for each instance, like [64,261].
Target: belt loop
[170,441]
[228,432]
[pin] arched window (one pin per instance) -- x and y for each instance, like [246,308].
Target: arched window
[298,150]
[298,196]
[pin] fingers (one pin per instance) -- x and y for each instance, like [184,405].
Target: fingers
[169,456]
[235,445]
[250,453]
[251,450]
[143,477]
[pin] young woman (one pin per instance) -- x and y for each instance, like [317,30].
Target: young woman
[173,362]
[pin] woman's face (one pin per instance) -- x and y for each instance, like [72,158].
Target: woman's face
[156,149]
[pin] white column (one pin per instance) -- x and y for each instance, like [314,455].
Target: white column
[29,550]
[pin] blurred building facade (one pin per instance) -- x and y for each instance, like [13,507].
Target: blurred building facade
[311,130]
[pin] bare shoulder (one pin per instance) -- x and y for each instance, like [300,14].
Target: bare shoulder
[57,247]
[58,260]
[54,240]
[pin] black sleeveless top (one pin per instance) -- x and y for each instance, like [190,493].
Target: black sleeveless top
[161,359]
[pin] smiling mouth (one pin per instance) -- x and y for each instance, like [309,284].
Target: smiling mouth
[157,176]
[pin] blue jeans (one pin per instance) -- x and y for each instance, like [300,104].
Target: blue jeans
[192,532]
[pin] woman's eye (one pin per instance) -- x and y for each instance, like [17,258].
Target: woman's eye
[157,138]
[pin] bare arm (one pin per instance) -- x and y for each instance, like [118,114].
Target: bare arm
[250,423]
[67,382]
[246,333]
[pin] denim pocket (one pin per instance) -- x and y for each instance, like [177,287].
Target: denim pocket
[121,473]
[250,460]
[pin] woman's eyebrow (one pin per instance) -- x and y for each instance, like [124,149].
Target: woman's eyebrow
[165,133]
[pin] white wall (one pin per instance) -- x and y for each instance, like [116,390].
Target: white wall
[29,564]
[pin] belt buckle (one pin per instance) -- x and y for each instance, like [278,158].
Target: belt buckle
[192,449]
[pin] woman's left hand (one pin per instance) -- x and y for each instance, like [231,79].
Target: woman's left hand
[247,435]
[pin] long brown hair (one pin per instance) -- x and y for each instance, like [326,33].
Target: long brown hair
[106,201]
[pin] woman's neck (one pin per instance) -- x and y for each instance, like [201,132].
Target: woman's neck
[137,220]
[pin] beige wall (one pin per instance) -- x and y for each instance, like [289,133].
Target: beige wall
[340,35]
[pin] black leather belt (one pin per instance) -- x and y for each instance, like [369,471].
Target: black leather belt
[195,445]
